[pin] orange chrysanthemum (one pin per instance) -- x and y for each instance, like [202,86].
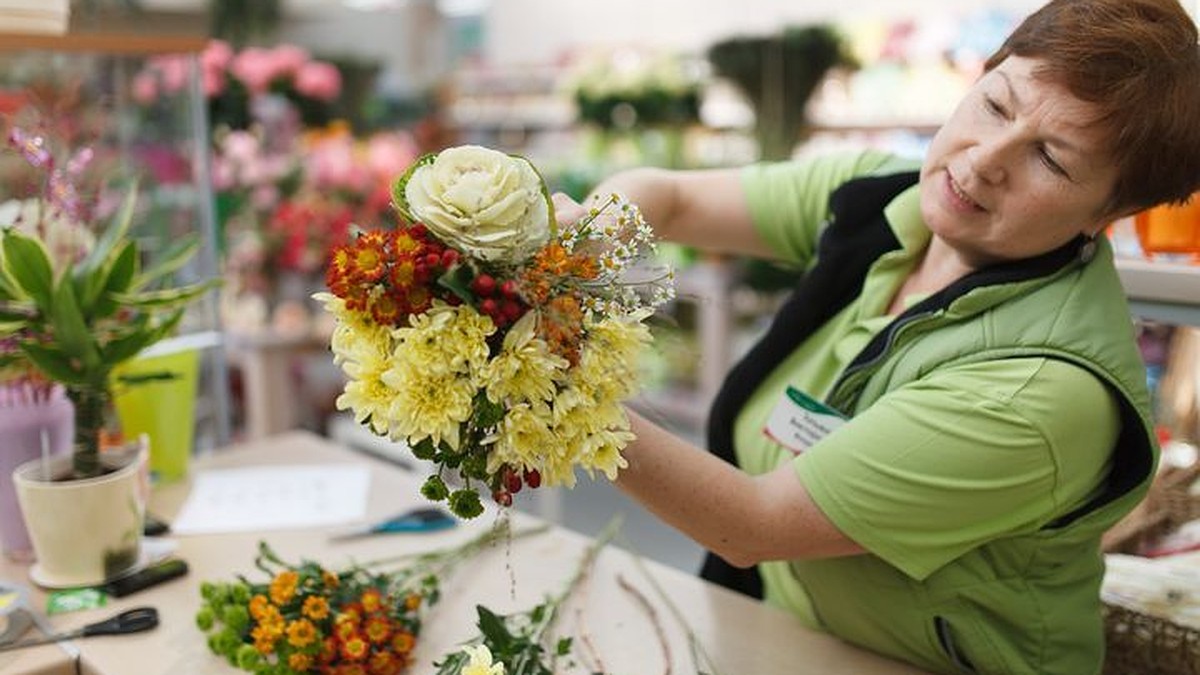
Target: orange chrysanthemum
[385,663]
[330,579]
[300,662]
[412,602]
[283,587]
[301,633]
[355,648]
[371,600]
[258,605]
[315,607]
[378,629]
[403,642]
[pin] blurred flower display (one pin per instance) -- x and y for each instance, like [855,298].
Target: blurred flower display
[235,83]
[285,207]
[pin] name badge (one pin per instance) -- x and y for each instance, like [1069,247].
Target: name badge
[798,421]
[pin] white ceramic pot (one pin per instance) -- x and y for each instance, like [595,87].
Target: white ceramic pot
[84,531]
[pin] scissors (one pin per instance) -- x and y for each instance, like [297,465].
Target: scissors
[133,620]
[426,519]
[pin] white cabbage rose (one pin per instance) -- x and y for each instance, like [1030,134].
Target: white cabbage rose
[487,204]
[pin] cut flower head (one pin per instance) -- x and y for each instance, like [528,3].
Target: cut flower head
[496,343]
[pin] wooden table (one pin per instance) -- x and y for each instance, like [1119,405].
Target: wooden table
[742,636]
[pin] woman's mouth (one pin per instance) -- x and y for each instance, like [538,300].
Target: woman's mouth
[960,198]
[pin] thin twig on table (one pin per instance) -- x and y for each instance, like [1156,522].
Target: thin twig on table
[654,621]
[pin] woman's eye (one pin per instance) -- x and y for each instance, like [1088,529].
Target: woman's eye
[1050,163]
[993,106]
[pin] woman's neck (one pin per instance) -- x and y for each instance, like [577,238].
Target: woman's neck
[939,266]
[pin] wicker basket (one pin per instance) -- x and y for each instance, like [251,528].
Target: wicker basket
[1137,643]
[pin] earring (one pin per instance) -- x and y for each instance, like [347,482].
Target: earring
[1087,250]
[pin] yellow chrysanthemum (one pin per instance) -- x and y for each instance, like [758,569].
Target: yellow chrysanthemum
[524,439]
[609,357]
[525,369]
[601,450]
[445,339]
[368,396]
[427,405]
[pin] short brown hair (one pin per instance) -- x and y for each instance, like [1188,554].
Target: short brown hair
[1138,63]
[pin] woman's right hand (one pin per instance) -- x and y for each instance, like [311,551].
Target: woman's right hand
[704,208]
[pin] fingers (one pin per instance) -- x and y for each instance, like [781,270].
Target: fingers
[566,210]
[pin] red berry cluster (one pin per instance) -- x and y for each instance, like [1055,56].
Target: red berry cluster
[500,301]
[511,483]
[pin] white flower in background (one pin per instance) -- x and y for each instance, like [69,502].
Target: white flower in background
[66,240]
[489,205]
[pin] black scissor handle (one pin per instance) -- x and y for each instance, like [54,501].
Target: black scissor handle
[133,620]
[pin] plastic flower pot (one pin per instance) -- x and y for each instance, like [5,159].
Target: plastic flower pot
[84,531]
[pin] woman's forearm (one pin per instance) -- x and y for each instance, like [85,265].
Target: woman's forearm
[744,519]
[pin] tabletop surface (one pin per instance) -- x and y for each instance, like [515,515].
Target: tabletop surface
[619,630]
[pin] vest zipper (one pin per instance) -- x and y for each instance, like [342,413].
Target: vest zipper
[841,396]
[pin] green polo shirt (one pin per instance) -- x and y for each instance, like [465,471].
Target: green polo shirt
[932,470]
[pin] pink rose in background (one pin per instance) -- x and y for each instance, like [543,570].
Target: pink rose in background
[174,72]
[217,55]
[332,162]
[288,59]
[390,154]
[213,82]
[255,67]
[319,80]
[145,87]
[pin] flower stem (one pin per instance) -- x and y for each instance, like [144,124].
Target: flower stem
[699,655]
[444,560]
[585,564]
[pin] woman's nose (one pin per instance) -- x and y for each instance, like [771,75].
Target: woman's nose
[989,159]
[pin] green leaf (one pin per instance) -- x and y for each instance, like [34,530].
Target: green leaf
[55,365]
[165,298]
[398,198]
[28,265]
[175,257]
[465,503]
[435,489]
[11,327]
[494,630]
[563,647]
[123,270]
[114,276]
[70,330]
[487,413]
[114,233]
[424,449]
[457,279]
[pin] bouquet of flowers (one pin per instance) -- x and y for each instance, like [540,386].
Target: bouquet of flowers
[498,344]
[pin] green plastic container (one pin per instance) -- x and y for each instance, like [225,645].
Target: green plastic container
[164,410]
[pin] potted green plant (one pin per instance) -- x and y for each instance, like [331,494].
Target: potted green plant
[75,320]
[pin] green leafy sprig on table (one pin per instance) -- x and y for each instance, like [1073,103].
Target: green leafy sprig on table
[521,642]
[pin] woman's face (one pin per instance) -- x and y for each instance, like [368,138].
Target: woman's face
[1017,170]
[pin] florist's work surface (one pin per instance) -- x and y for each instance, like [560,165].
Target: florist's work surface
[498,345]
